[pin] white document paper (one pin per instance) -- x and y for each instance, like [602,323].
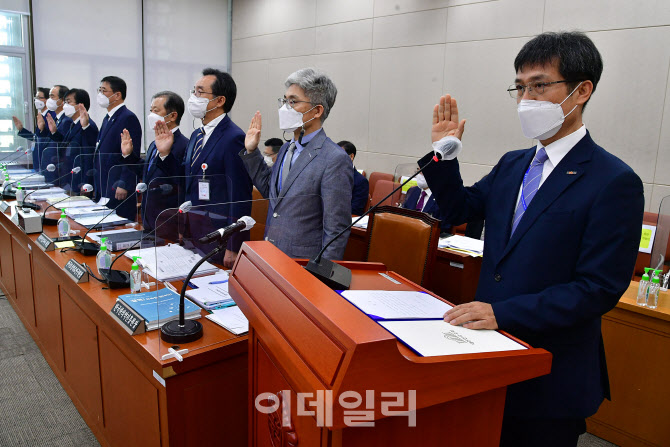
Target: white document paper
[463,242]
[386,305]
[171,262]
[436,337]
[230,318]
[95,236]
[95,220]
[363,222]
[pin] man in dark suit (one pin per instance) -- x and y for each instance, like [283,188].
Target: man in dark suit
[163,163]
[214,147]
[113,180]
[310,185]
[360,195]
[51,154]
[39,142]
[73,150]
[420,198]
[563,225]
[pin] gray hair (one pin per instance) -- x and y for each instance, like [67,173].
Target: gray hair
[318,88]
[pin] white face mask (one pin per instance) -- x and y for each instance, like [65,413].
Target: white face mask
[69,110]
[153,118]
[268,160]
[421,181]
[39,104]
[103,101]
[542,119]
[197,107]
[291,119]
[52,104]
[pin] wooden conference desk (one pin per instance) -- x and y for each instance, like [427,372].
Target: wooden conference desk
[637,343]
[455,274]
[126,394]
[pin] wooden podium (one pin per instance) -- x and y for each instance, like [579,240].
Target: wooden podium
[332,368]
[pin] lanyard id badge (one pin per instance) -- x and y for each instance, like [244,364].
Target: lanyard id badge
[203,185]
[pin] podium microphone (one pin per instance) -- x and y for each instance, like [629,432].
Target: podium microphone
[243,224]
[51,222]
[118,279]
[185,331]
[334,275]
[90,248]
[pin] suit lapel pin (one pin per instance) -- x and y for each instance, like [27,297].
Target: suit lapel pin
[571,172]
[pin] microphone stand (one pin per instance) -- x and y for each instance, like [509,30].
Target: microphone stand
[185,331]
[13,196]
[334,275]
[35,206]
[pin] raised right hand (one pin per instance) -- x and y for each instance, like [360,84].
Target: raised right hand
[254,133]
[83,116]
[445,120]
[52,124]
[164,138]
[41,125]
[17,123]
[126,143]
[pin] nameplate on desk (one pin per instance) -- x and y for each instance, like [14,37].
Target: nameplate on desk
[76,271]
[45,242]
[4,206]
[130,320]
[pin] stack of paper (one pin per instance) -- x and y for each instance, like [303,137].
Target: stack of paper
[363,223]
[48,193]
[230,318]
[211,292]
[170,262]
[92,222]
[467,245]
[77,212]
[159,307]
[391,305]
[69,202]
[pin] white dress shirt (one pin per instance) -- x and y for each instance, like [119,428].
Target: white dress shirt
[209,128]
[555,153]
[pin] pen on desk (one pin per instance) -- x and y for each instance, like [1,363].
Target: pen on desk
[218,282]
[170,286]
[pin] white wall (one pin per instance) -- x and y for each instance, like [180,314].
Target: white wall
[392,59]
[77,43]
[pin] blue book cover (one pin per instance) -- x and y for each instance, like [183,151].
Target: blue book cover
[163,304]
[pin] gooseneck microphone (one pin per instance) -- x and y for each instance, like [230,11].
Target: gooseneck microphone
[49,168]
[118,279]
[14,154]
[183,330]
[90,248]
[49,221]
[243,224]
[73,171]
[334,275]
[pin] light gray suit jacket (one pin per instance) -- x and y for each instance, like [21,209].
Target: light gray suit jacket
[315,203]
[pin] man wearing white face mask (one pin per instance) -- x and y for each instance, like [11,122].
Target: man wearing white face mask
[40,142]
[563,222]
[112,180]
[72,145]
[51,154]
[165,155]
[214,146]
[310,185]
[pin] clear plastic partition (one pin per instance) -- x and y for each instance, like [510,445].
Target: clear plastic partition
[15,151]
[82,182]
[186,235]
[50,162]
[120,191]
[660,252]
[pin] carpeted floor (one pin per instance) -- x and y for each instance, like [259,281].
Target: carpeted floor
[35,410]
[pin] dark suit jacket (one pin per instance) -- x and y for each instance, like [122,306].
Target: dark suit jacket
[568,263]
[230,186]
[413,195]
[162,180]
[107,160]
[360,194]
[41,141]
[74,152]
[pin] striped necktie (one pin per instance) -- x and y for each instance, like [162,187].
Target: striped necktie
[286,167]
[531,183]
[198,146]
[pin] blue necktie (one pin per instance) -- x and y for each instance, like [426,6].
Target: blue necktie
[104,124]
[199,138]
[531,183]
[153,155]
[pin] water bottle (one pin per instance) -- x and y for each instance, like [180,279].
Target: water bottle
[643,289]
[135,277]
[104,259]
[19,193]
[63,225]
[652,296]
